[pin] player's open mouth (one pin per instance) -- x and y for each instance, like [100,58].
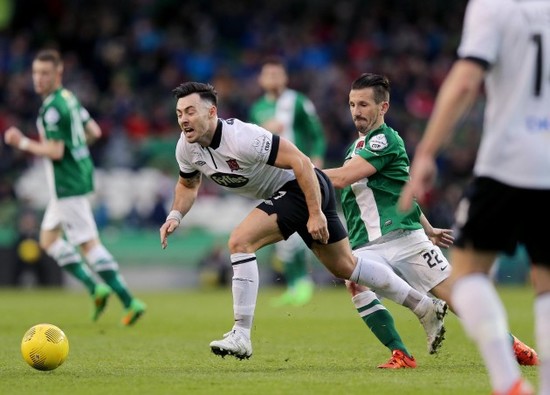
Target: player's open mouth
[188,130]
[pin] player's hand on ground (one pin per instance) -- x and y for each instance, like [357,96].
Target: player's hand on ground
[422,177]
[13,136]
[442,237]
[317,228]
[166,230]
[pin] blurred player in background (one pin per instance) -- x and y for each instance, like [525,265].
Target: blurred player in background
[66,129]
[506,44]
[247,159]
[374,171]
[290,114]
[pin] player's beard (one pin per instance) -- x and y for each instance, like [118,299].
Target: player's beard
[363,125]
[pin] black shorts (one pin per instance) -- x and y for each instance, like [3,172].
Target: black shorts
[289,204]
[496,217]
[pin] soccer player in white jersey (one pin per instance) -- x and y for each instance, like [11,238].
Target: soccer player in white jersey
[246,159]
[65,129]
[505,43]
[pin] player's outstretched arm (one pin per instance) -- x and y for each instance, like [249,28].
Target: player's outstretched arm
[52,149]
[185,193]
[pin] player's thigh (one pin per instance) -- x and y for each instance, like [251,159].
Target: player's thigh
[419,262]
[258,229]
[77,219]
[336,257]
[424,269]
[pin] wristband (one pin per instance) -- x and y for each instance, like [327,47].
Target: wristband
[175,215]
[24,143]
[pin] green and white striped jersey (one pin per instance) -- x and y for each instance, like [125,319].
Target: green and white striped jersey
[370,204]
[301,122]
[62,117]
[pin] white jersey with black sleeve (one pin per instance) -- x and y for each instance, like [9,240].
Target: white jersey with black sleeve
[240,159]
[511,39]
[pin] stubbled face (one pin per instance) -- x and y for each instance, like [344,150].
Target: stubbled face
[367,115]
[195,118]
[46,77]
[273,78]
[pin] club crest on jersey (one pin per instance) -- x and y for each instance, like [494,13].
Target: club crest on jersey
[378,142]
[233,164]
[360,145]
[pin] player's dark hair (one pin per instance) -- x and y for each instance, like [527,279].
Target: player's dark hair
[205,91]
[273,60]
[379,84]
[49,55]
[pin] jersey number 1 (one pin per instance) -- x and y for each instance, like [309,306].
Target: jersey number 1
[537,39]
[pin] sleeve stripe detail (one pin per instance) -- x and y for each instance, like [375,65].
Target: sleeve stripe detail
[188,175]
[274,150]
[482,62]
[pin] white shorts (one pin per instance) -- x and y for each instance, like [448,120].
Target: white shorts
[74,215]
[413,257]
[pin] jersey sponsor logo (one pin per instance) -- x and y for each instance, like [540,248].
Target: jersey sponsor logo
[51,115]
[536,124]
[378,142]
[80,153]
[233,164]
[229,180]
[200,163]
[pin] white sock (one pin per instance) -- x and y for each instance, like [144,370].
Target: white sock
[245,290]
[484,320]
[101,259]
[542,331]
[386,283]
[63,253]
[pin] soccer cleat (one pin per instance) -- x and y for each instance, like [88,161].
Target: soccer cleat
[520,387]
[100,296]
[399,360]
[433,323]
[525,355]
[134,312]
[303,292]
[285,299]
[233,343]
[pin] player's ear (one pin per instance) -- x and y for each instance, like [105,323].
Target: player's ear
[212,111]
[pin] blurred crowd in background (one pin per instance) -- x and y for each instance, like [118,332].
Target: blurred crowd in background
[122,59]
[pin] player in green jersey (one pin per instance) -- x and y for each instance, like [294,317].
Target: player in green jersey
[66,129]
[375,170]
[290,114]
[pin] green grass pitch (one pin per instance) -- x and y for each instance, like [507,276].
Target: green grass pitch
[321,348]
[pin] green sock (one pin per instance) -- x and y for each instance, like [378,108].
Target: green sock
[80,271]
[114,280]
[381,323]
[296,269]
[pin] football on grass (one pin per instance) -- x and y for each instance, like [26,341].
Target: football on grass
[45,347]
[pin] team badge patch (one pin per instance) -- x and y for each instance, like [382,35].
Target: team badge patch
[360,145]
[51,116]
[233,164]
[378,142]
